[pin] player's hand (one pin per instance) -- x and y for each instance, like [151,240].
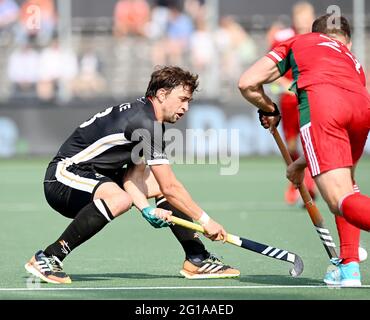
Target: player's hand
[269,120]
[163,214]
[215,231]
[158,218]
[295,173]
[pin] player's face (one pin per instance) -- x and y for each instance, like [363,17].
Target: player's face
[176,104]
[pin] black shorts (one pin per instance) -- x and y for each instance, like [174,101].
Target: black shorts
[69,188]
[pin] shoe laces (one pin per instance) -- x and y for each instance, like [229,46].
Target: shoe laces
[214,259]
[54,264]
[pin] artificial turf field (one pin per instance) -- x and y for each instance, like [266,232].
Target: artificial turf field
[131,260]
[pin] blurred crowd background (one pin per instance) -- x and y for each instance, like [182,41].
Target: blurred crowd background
[91,53]
[55,51]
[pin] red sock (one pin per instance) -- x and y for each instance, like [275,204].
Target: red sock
[356,210]
[349,238]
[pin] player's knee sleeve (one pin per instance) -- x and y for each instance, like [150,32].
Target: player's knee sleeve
[103,209]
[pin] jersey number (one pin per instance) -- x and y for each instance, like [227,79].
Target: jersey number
[334,45]
[98,115]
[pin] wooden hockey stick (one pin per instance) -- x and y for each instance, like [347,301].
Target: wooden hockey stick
[310,205]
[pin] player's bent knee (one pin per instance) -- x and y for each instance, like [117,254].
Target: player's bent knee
[119,203]
[333,207]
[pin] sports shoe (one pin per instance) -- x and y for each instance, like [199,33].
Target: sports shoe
[345,275]
[291,195]
[48,269]
[209,268]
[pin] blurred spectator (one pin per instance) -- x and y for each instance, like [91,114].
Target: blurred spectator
[23,71]
[171,49]
[9,134]
[275,28]
[237,49]
[196,9]
[89,81]
[202,47]
[8,14]
[131,17]
[303,15]
[56,66]
[156,28]
[37,18]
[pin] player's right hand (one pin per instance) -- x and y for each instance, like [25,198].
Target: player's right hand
[163,214]
[295,173]
[215,231]
[269,120]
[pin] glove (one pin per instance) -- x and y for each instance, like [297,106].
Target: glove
[275,113]
[148,214]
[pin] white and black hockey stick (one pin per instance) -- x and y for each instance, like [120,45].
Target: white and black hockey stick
[257,247]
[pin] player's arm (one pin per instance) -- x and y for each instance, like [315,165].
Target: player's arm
[140,201]
[252,80]
[177,195]
[251,84]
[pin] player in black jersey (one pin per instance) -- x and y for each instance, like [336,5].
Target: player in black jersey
[87,180]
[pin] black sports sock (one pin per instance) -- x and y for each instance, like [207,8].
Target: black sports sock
[88,222]
[189,240]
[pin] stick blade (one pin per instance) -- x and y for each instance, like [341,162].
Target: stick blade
[298,267]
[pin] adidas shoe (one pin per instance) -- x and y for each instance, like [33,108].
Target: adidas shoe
[209,268]
[345,275]
[48,269]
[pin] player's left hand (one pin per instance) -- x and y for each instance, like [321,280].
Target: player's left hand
[158,218]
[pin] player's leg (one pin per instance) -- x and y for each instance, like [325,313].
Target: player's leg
[92,203]
[349,235]
[330,155]
[108,202]
[333,185]
[196,255]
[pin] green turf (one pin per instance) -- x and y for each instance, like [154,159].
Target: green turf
[129,255]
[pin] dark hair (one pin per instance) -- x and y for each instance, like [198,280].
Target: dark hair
[169,77]
[324,24]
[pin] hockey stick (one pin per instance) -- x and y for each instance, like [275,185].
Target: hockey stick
[311,208]
[260,248]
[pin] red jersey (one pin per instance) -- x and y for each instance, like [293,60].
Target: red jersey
[281,36]
[316,58]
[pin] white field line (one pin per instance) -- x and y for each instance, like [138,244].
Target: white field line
[173,288]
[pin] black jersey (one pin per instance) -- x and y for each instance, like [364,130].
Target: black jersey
[117,136]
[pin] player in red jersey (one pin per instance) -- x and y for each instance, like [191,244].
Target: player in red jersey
[334,119]
[303,15]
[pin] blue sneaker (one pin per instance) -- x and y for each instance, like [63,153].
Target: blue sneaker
[48,269]
[345,275]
